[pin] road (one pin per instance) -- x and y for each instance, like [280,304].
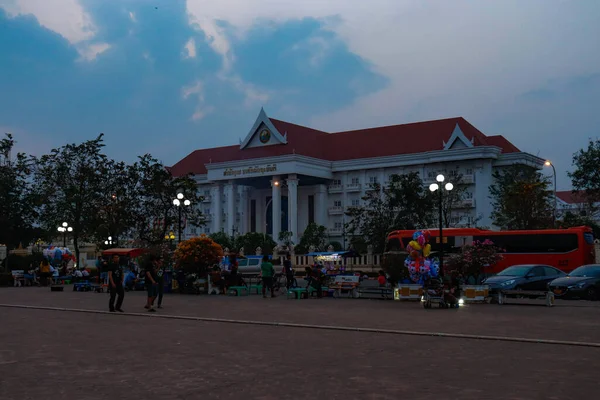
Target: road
[57,354]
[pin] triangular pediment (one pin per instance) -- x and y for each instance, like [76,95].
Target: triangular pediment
[263,133]
[458,140]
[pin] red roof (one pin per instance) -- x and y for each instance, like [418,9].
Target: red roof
[365,143]
[570,197]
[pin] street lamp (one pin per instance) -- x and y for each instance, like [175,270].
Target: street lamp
[438,186]
[109,241]
[548,163]
[170,237]
[64,229]
[179,204]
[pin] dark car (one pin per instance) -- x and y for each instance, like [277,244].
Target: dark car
[523,277]
[581,283]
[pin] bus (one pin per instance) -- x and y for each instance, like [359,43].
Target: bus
[565,249]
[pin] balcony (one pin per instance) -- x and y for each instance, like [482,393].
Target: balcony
[336,210]
[353,187]
[466,203]
[468,179]
[336,188]
[335,231]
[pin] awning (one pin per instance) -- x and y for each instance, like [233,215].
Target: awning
[124,252]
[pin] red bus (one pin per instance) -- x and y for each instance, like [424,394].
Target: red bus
[565,249]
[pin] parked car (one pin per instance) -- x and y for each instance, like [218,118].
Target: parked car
[581,283]
[523,277]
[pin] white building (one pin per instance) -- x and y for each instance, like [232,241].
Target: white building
[577,204]
[313,176]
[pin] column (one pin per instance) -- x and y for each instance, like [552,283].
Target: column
[245,210]
[231,213]
[321,205]
[276,207]
[217,203]
[292,183]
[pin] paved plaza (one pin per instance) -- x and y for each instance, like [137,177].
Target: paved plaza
[54,354]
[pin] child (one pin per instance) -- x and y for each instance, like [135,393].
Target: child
[382,279]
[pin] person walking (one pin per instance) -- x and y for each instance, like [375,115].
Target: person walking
[267,272]
[115,280]
[151,280]
[289,272]
[160,279]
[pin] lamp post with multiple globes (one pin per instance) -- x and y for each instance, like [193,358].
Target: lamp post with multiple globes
[64,228]
[179,202]
[438,187]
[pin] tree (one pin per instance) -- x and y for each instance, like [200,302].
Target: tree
[570,219]
[451,200]
[153,211]
[314,235]
[285,237]
[473,259]
[252,240]
[71,181]
[586,176]
[224,240]
[17,199]
[521,198]
[405,204]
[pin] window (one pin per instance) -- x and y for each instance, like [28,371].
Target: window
[207,230]
[194,231]
[355,181]
[453,173]
[541,243]
[338,225]
[373,180]
[431,175]
[311,210]
[337,203]
[336,182]
[551,271]
[355,202]
[469,171]
[588,237]
[252,215]
[206,211]
[468,195]
[537,272]
[206,193]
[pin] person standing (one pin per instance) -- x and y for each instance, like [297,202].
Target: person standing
[267,272]
[115,281]
[160,279]
[289,272]
[151,280]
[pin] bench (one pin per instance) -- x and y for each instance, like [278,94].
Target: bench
[238,291]
[385,292]
[257,288]
[546,295]
[345,284]
[313,291]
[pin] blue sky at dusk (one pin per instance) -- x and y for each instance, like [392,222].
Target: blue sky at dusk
[170,76]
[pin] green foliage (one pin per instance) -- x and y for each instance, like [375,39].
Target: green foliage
[17,199]
[452,199]
[521,198]
[586,176]
[155,188]
[337,246]
[251,240]
[405,204]
[571,219]
[358,244]
[72,183]
[224,240]
[16,262]
[314,235]
[285,237]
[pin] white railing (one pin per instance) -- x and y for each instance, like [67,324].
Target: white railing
[206,199]
[365,263]
[353,187]
[336,210]
[468,179]
[335,231]
[335,188]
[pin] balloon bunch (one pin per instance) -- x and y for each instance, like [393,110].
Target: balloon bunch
[420,266]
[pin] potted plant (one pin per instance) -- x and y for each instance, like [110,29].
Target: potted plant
[471,263]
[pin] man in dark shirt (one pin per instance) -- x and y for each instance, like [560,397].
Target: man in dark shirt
[151,280]
[288,271]
[115,284]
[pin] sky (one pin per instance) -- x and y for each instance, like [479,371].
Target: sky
[170,76]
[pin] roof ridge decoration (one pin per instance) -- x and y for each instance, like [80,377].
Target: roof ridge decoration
[263,119]
[457,134]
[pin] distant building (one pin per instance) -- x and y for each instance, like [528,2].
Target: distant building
[577,204]
[314,176]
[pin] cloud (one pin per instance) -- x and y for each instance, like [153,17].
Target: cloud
[66,17]
[189,49]
[132,16]
[196,90]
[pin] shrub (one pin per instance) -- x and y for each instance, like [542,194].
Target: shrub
[196,255]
